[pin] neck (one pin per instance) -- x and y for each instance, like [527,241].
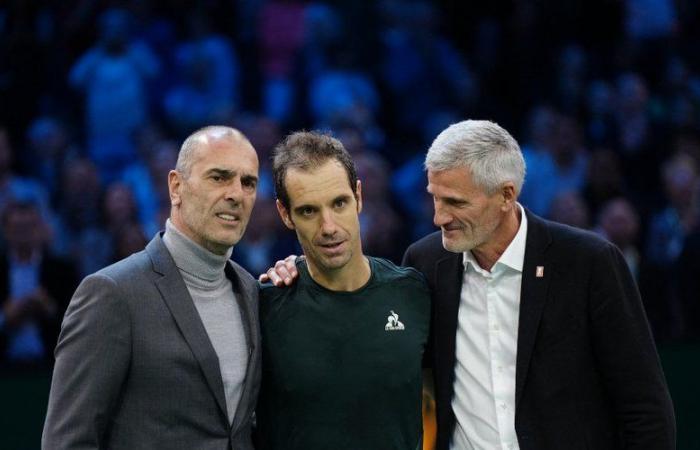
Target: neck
[192,257]
[488,253]
[348,278]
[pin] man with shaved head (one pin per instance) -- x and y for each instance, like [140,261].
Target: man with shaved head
[161,350]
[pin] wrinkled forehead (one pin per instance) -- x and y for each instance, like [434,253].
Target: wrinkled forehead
[318,184]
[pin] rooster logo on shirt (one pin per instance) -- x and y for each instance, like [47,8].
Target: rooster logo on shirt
[393,323]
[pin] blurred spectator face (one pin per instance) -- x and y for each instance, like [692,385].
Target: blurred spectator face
[352,140]
[604,172]
[676,73]
[47,137]
[264,134]
[119,205]
[423,18]
[24,228]
[162,161]
[322,25]
[568,208]
[147,138]
[619,222]
[681,180]
[542,126]
[264,221]
[197,70]
[682,112]
[80,194]
[572,68]
[372,169]
[80,178]
[688,143]
[573,61]
[114,30]
[632,94]
[600,98]
[567,142]
[130,239]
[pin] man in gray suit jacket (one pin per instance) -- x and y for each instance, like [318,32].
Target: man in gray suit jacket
[161,350]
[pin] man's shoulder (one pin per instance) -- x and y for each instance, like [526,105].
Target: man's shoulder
[269,293]
[571,240]
[429,246]
[388,272]
[127,269]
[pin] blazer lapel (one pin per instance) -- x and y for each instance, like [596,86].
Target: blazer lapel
[243,294]
[533,296]
[178,300]
[448,285]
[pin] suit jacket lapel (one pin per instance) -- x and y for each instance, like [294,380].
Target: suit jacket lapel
[448,284]
[533,296]
[178,300]
[243,293]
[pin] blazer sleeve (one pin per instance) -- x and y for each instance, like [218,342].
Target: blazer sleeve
[92,359]
[410,260]
[626,356]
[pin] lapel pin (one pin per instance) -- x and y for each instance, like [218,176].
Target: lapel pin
[539,273]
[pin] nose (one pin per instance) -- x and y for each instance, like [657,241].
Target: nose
[441,217]
[234,191]
[328,225]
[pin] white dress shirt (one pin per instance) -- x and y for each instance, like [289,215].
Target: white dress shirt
[486,348]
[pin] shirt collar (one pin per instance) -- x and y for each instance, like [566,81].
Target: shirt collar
[514,255]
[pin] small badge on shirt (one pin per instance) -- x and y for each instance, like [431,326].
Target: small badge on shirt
[393,323]
[539,273]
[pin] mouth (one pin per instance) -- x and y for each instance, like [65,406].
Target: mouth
[230,218]
[332,248]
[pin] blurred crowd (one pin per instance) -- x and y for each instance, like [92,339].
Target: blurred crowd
[96,95]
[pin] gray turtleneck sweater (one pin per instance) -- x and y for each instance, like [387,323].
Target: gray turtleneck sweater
[212,294]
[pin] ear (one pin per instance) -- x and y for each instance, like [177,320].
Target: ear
[508,194]
[174,187]
[358,196]
[284,215]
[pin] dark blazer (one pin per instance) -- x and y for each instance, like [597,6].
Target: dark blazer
[587,372]
[135,368]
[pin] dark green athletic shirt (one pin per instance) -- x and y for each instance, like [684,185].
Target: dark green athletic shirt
[342,370]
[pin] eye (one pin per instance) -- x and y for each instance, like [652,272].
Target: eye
[455,202]
[340,203]
[306,211]
[217,178]
[249,183]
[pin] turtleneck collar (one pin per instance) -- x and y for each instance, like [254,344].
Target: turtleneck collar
[191,257]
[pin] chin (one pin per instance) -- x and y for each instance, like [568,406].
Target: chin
[455,246]
[336,263]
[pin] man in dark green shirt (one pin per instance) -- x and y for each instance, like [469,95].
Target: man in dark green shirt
[342,347]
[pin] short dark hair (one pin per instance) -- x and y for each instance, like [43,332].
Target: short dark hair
[306,150]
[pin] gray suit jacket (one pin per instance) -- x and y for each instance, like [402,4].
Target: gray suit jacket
[135,368]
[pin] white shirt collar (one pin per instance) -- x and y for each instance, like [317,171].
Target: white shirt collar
[513,256]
